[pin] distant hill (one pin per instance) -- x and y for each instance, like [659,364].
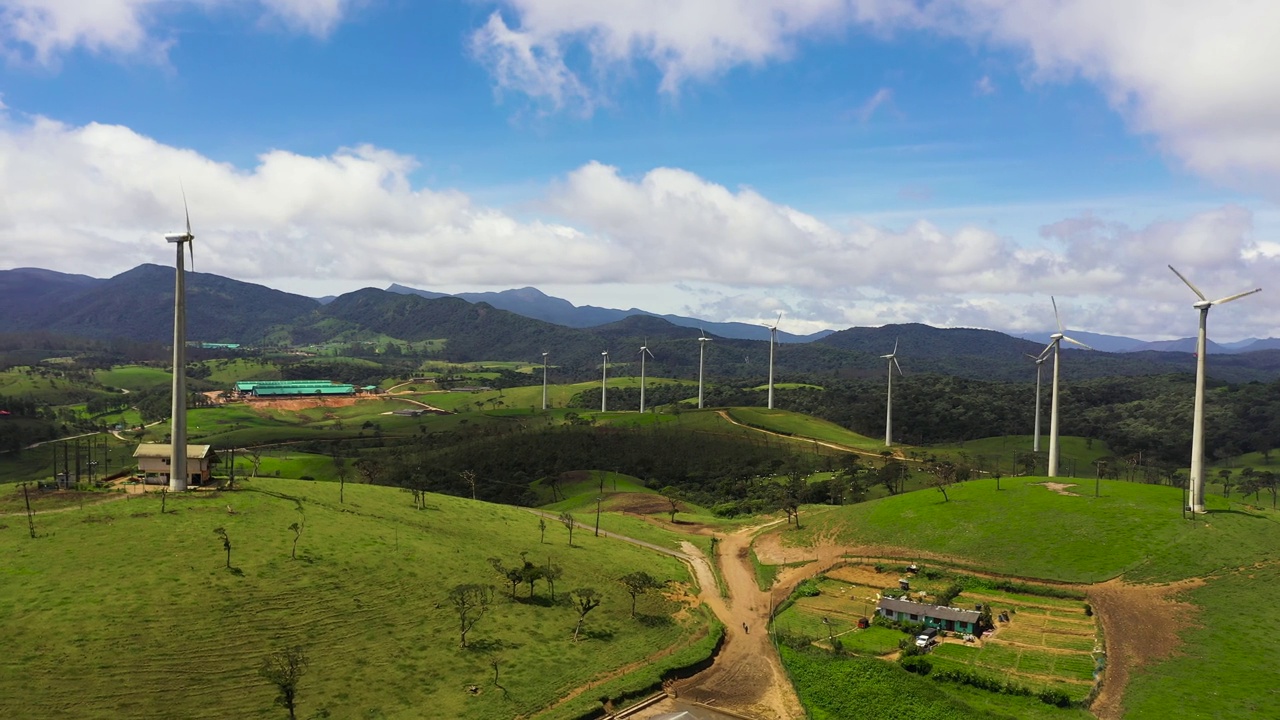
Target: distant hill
[533,303]
[924,341]
[138,305]
[26,291]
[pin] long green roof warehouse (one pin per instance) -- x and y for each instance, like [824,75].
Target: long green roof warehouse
[285,388]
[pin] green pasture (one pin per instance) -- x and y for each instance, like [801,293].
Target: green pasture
[134,377]
[1026,530]
[1220,670]
[180,635]
[227,372]
[23,381]
[1000,453]
[803,426]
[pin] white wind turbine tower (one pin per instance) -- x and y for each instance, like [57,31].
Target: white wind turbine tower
[1196,478]
[604,379]
[544,381]
[1035,444]
[773,339]
[892,359]
[702,355]
[178,430]
[1055,341]
[644,350]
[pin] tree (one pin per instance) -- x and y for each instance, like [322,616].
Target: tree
[529,573]
[470,478]
[343,471]
[585,600]
[297,533]
[542,530]
[944,476]
[996,474]
[552,573]
[1225,475]
[369,469]
[511,574]
[672,494]
[470,601]
[284,669]
[890,473]
[567,518]
[255,459]
[226,543]
[638,583]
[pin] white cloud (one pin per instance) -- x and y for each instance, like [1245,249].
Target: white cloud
[40,31]
[1196,75]
[873,103]
[95,199]
[984,86]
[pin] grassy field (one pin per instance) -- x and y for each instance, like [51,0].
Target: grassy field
[999,453]
[227,372]
[804,426]
[1215,674]
[180,635]
[134,377]
[1027,530]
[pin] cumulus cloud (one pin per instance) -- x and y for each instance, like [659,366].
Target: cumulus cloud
[40,31]
[1196,75]
[96,199]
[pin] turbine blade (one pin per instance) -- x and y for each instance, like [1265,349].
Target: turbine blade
[1045,353]
[1056,317]
[895,346]
[1076,342]
[185,210]
[1183,278]
[1237,296]
[191,250]
[895,364]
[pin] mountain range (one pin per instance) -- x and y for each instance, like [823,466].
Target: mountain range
[138,305]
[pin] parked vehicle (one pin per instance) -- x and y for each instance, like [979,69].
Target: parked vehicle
[927,638]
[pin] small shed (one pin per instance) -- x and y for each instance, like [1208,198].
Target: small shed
[939,616]
[154,458]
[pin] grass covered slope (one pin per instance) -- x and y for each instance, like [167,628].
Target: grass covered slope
[1027,530]
[804,426]
[137,611]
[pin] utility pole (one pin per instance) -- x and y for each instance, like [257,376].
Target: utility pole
[31,523]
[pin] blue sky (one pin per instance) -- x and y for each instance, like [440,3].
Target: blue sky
[844,161]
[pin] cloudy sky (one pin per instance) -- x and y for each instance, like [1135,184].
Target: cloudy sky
[847,162]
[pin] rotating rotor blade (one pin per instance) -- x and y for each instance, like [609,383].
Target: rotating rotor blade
[1237,296]
[1045,353]
[895,346]
[1183,278]
[1056,317]
[1076,342]
[895,364]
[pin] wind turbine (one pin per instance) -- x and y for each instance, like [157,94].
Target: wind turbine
[178,427]
[644,350]
[773,339]
[1055,342]
[892,359]
[702,355]
[544,381]
[1196,479]
[604,379]
[1035,443]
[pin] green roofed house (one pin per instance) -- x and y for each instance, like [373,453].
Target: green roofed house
[292,388]
[939,616]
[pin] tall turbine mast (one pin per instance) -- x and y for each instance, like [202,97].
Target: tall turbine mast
[702,355]
[1196,478]
[773,339]
[604,380]
[888,412]
[178,428]
[1055,342]
[1035,443]
[544,381]
[644,350]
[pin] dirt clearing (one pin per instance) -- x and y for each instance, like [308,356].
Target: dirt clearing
[1141,623]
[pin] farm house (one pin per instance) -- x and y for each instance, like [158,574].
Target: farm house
[153,462]
[939,616]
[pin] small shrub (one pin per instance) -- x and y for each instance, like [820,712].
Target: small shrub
[1088,610]
[879,567]
[306,477]
[916,664]
[1056,698]
[808,588]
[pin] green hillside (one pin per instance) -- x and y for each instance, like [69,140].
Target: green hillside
[137,611]
[1027,530]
